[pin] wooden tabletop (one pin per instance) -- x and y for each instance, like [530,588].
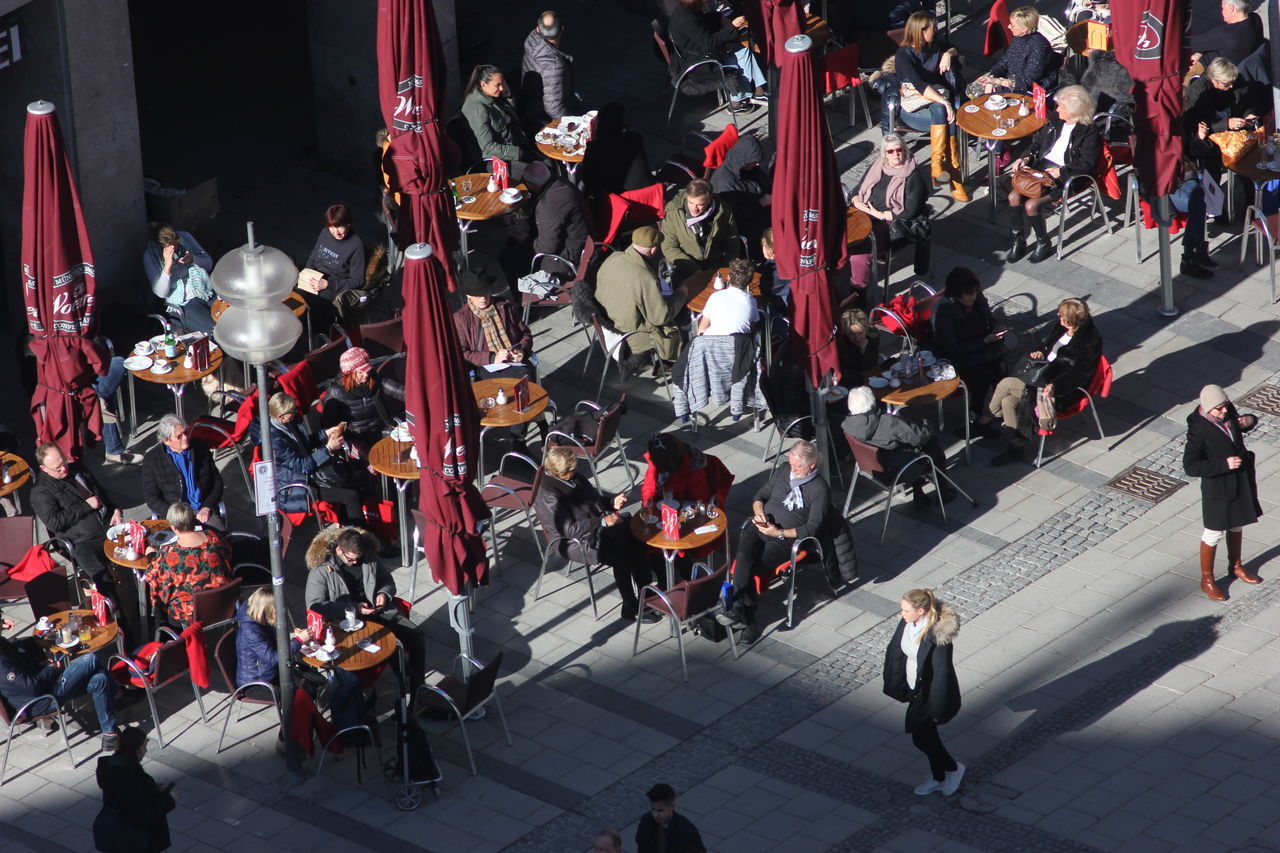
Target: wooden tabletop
[857,225]
[179,375]
[19,471]
[652,535]
[391,459]
[140,564]
[350,656]
[102,635]
[814,27]
[701,284]
[983,122]
[294,302]
[1248,165]
[487,205]
[928,392]
[556,153]
[507,414]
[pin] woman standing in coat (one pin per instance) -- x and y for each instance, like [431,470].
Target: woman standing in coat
[143,806]
[918,671]
[1228,482]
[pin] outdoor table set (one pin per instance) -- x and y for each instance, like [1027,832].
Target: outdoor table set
[149,363]
[997,118]
[701,284]
[508,413]
[14,474]
[396,458]
[699,524]
[474,202]
[358,646]
[565,140]
[117,550]
[82,635]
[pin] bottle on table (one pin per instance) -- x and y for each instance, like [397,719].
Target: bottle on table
[170,344]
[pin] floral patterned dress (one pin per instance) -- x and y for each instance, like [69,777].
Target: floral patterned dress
[175,574]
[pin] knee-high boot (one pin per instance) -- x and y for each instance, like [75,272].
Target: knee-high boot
[1044,247]
[938,153]
[1235,539]
[958,192]
[922,257]
[1018,225]
[1207,583]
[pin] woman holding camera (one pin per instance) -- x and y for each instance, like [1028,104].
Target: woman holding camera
[178,268]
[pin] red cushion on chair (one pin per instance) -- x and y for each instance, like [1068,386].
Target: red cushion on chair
[713,155]
[212,439]
[762,582]
[1149,220]
[840,69]
[142,660]
[997,25]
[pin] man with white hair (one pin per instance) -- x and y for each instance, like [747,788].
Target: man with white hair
[559,218]
[792,504]
[898,440]
[1239,35]
[176,470]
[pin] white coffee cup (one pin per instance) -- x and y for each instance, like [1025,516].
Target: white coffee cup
[130,554]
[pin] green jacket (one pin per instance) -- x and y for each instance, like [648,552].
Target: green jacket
[496,127]
[627,289]
[685,251]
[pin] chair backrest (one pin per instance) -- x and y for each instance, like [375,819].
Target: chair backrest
[703,594]
[47,594]
[608,423]
[224,653]
[480,685]
[211,606]
[1100,384]
[299,382]
[659,28]
[840,69]
[997,24]
[324,360]
[15,539]
[385,338]
[714,153]
[867,456]
[169,662]
[286,534]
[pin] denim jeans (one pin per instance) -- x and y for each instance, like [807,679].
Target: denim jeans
[85,674]
[106,386]
[750,77]
[1189,199]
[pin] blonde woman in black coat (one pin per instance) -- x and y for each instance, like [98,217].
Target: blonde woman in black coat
[918,670]
[1228,482]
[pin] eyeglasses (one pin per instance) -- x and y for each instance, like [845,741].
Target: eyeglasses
[895,151]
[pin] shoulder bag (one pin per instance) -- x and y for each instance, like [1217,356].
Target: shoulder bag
[1031,371]
[1032,183]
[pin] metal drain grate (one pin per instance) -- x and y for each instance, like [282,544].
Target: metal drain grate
[1145,484]
[1264,398]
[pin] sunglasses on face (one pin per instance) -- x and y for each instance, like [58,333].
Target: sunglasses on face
[895,151]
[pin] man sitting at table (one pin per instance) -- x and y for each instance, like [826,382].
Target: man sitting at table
[1239,35]
[792,504]
[72,505]
[344,573]
[175,470]
[628,291]
[559,219]
[898,440]
[698,232]
[489,327]
[25,673]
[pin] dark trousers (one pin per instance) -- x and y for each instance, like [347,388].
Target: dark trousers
[631,561]
[345,501]
[926,739]
[412,639]
[757,554]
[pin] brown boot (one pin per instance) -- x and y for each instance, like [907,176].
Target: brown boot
[958,191]
[938,153]
[1235,538]
[1207,553]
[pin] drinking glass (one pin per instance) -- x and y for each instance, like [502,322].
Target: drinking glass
[86,633]
[464,186]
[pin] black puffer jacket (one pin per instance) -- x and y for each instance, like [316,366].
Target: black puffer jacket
[365,408]
[546,81]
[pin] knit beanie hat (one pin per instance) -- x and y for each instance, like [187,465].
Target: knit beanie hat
[356,358]
[1212,396]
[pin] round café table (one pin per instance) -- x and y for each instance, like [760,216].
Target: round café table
[651,534]
[926,391]
[390,458]
[506,415]
[101,636]
[19,473]
[974,119]
[570,158]
[701,284]
[486,205]
[857,226]
[354,654]
[138,565]
[176,379]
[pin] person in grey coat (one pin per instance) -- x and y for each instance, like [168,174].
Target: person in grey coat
[344,573]
[546,74]
[898,440]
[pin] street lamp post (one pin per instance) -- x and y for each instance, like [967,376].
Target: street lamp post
[257,329]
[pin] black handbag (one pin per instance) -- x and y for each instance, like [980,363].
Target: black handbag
[1032,371]
[336,473]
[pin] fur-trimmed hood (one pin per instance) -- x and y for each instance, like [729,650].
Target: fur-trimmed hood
[320,551]
[947,627]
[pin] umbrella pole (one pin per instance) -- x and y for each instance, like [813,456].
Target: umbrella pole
[1165,215]
[284,655]
[821,430]
[460,621]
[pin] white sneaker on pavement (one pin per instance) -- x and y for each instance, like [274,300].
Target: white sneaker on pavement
[952,783]
[928,786]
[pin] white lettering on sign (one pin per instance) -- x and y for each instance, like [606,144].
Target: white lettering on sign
[10,46]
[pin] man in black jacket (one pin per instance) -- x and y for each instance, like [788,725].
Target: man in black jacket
[177,470]
[69,501]
[559,218]
[661,829]
[699,33]
[546,74]
[791,505]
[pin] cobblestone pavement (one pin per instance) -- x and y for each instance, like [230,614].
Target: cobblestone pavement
[1108,704]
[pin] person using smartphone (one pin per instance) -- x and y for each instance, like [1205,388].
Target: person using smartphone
[966,334]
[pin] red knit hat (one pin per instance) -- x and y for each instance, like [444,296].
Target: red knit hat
[356,358]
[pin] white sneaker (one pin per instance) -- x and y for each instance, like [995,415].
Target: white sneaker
[952,783]
[928,786]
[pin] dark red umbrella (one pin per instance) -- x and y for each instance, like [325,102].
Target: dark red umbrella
[411,78]
[445,426]
[775,21]
[808,205]
[1148,39]
[58,287]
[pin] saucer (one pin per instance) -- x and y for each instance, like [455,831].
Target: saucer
[71,645]
[137,362]
[511,196]
[324,655]
[878,382]
[971,108]
[161,367]
[995,103]
[467,199]
[144,348]
[350,626]
[999,131]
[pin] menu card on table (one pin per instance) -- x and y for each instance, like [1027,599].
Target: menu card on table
[98,602]
[520,394]
[315,624]
[670,519]
[137,537]
[200,353]
[501,173]
[1038,93]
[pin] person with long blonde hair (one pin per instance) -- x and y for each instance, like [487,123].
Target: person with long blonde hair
[924,63]
[918,670]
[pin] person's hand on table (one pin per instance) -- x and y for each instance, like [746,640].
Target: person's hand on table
[302,635]
[1236,123]
[1234,462]
[204,514]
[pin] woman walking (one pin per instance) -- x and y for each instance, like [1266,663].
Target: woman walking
[918,671]
[134,816]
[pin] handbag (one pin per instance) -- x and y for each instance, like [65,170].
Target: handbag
[1032,183]
[917,228]
[336,473]
[1031,371]
[910,99]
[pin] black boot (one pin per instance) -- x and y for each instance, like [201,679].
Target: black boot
[1202,259]
[922,257]
[918,499]
[1190,267]
[1018,225]
[1017,442]
[1044,246]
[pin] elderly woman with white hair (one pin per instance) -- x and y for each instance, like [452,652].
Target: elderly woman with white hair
[1068,145]
[895,193]
[898,440]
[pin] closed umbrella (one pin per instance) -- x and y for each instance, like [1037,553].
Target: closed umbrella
[411,78]
[58,288]
[446,432]
[1148,40]
[776,21]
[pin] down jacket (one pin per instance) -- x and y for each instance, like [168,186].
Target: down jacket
[297,456]
[327,592]
[256,656]
[546,81]
[936,697]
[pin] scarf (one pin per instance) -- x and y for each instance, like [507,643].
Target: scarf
[187,468]
[186,281]
[1221,423]
[795,498]
[495,336]
[699,224]
[895,195]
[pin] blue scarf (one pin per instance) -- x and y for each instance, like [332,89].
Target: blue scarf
[187,468]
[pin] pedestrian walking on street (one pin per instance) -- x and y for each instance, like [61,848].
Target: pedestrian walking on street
[134,816]
[918,671]
[1216,454]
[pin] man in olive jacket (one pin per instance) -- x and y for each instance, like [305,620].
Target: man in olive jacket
[698,232]
[627,289]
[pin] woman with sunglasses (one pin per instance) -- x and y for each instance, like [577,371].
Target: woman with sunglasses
[893,191]
[1216,454]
